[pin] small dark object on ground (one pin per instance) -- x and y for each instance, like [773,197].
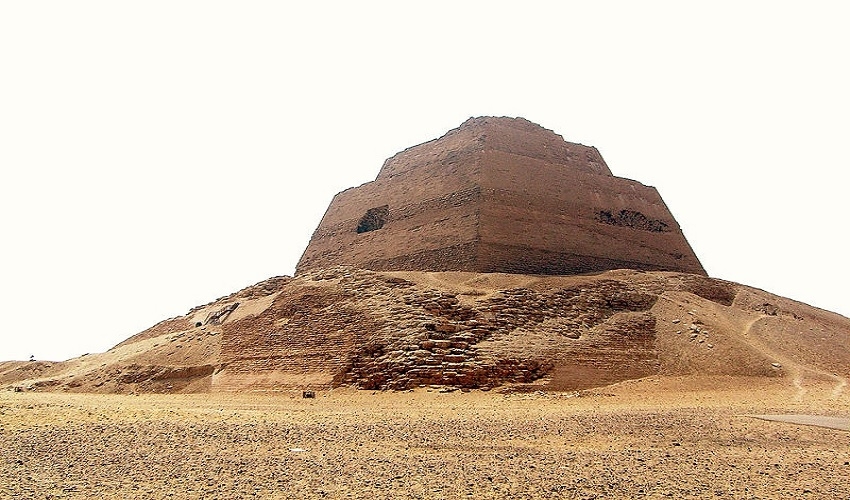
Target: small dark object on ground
[308,394]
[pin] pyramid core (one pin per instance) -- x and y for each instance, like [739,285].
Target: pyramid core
[500,195]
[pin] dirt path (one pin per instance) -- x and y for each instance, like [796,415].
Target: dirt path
[796,370]
[840,423]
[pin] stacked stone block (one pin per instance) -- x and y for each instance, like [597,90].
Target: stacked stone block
[499,195]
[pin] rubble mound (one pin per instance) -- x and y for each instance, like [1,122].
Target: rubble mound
[398,330]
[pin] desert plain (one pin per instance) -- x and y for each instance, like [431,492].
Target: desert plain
[657,437]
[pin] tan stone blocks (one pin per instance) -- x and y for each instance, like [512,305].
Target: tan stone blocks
[499,195]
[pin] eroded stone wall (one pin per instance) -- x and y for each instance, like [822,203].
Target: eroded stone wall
[546,219]
[428,222]
[516,136]
[373,331]
[499,195]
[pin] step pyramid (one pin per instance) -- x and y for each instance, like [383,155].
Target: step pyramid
[500,195]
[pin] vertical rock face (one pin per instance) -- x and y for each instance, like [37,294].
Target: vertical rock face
[500,195]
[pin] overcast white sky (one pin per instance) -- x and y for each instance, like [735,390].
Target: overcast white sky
[157,155]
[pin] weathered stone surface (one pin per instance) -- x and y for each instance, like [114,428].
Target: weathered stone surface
[493,195]
[378,330]
[500,195]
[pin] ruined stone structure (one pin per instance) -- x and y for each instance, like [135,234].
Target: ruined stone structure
[376,330]
[500,195]
[342,326]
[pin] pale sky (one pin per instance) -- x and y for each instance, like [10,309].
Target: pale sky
[158,155]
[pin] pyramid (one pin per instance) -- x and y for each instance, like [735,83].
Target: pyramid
[500,195]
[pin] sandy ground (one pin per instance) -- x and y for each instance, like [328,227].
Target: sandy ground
[839,423]
[654,438]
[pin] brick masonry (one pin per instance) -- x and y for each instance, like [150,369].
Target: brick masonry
[500,195]
[372,330]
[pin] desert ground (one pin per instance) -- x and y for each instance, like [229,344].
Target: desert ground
[658,437]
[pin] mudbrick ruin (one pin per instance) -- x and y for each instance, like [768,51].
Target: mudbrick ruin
[500,195]
[496,255]
[377,331]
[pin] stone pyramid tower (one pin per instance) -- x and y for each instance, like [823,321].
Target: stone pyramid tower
[500,195]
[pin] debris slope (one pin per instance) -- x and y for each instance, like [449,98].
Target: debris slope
[399,330]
